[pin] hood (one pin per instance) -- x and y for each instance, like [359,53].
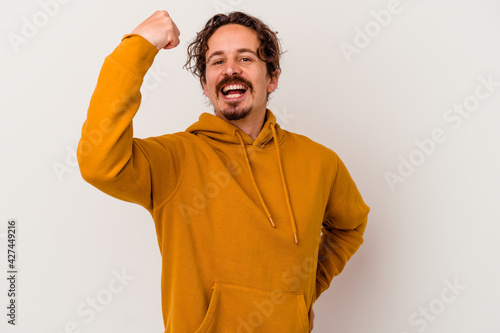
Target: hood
[218,129]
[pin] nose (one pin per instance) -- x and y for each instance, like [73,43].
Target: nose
[232,68]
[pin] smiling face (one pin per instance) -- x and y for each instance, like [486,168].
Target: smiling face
[236,80]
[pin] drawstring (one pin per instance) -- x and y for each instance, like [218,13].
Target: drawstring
[253,181]
[285,189]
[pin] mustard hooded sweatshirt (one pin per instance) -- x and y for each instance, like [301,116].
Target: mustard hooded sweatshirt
[251,232]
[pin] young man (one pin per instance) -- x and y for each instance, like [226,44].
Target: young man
[253,221]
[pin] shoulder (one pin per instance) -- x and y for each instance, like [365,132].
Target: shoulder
[166,139]
[309,146]
[166,142]
[176,143]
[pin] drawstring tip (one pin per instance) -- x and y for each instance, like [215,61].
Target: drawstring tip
[296,238]
[272,223]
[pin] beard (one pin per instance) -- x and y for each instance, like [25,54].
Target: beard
[233,111]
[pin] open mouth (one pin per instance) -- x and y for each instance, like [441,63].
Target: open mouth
[234,91]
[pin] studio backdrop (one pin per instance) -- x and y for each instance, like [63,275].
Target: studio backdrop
[406,92]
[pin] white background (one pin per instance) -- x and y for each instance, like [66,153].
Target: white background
[439,226]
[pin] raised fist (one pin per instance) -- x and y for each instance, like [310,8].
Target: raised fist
[160,30]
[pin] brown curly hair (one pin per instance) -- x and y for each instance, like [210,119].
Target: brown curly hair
[269,50]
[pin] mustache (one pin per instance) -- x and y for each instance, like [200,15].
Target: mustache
[234,79]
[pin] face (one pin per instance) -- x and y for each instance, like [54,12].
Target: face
[236,80]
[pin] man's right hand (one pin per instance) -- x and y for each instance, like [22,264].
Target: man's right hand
[160,30]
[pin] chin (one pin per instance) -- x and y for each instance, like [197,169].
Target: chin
[235,115]
[233,112]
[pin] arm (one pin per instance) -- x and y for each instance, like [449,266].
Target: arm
[343,227]
[108,155]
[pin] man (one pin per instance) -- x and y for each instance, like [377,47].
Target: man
[253,222]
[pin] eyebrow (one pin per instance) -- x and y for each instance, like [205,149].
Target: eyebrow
[217,53]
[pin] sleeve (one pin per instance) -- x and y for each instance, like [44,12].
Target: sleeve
[342,229]
[108,156]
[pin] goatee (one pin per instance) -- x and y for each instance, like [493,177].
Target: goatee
[232,113]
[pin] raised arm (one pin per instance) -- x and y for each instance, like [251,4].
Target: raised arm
[108,155]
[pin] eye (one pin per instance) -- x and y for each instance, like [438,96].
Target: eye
[246,59]
[217,62]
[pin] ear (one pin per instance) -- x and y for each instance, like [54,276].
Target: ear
[273,83]
[204,85]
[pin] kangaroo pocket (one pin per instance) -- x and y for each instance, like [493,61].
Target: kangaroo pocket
[241,309]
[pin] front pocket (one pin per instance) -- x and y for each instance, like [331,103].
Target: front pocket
[212,307]
[236,308]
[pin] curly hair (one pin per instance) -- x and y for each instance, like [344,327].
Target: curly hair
[269,50]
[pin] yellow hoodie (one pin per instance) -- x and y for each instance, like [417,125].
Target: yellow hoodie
[251,232]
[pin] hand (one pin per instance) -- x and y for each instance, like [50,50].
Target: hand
[312,319]
[160,30]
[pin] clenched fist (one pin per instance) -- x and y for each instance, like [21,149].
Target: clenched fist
[160,30]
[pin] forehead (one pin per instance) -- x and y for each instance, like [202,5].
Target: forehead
[231,37]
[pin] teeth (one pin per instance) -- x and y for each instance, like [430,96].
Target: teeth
[233,96]
[234,87]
